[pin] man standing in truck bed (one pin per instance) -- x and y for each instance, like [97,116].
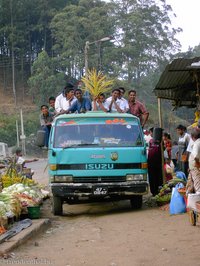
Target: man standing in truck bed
[137,108]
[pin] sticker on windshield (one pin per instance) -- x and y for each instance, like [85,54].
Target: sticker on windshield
[128,126]
[64,123]
[116,121]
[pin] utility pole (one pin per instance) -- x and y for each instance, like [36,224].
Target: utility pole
[87,46]
[12,52]
[22,137]
[86,57]
[17,130]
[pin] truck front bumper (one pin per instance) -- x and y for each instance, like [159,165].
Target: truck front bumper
[66,190]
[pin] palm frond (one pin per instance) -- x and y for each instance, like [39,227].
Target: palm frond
[96,82]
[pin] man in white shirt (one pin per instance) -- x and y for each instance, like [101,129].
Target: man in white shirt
[125,102]
[64,103]
[60,103]
[194,162]
[114,103]
[100,104]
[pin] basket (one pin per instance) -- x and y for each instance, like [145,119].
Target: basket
[33,212]
[26,171]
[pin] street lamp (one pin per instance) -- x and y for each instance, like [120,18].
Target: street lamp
[87,46]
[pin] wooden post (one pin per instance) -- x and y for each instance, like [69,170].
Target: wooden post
[160,113]
[162,149]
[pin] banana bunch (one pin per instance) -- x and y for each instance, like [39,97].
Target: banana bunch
[164,195]
[9,181]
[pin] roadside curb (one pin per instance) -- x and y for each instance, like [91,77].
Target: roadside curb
[36,227]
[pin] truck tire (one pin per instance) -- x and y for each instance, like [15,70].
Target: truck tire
[57,206]
[40,138]
[136,202]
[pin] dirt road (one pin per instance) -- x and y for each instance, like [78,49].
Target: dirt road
[111,234]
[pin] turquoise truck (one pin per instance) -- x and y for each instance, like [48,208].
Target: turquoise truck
[97,156]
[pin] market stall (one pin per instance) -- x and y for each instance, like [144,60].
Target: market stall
[179,83]
[20,197]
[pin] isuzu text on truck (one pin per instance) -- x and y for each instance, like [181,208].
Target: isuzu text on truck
[97,155]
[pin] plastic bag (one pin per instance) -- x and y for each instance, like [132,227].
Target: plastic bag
[177,202]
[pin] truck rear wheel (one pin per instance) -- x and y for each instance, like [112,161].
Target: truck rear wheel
[57,206]
[136,202]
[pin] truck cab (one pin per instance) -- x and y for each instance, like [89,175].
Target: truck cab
[95,156]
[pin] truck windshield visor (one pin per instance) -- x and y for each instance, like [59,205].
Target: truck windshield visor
[104,133]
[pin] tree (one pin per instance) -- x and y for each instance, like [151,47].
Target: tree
[73,26]
[146,36]
[45,81]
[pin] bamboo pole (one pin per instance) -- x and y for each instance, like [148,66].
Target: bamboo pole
[162,148]
[160,113]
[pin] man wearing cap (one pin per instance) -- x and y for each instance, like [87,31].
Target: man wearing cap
[137,108]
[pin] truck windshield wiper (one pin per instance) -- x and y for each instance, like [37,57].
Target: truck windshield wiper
[80,144]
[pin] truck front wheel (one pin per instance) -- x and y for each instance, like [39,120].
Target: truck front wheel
[136,202]
[57,206]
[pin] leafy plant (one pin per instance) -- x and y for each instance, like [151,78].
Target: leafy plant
[96,82]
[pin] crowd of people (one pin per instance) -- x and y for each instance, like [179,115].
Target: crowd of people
[181,156]
[72,100]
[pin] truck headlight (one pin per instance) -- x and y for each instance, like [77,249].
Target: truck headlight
[135,177]
[63,178]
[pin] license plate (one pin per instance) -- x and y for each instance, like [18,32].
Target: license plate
[100,191]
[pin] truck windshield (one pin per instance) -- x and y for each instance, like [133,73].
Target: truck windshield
[97,134]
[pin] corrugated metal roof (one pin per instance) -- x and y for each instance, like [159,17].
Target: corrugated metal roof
[178,83]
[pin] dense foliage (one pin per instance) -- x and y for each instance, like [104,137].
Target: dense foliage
[141,39]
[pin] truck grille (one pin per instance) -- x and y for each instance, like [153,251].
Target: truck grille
[98,179]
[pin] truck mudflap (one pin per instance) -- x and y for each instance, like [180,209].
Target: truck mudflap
[99,189]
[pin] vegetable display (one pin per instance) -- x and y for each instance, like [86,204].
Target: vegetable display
[164,195]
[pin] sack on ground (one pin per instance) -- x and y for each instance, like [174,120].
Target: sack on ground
[177,202]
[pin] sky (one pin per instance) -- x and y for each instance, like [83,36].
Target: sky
[187,12]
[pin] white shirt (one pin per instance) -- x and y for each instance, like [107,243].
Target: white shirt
[119,102]
[147,138]
[195,153]
[62,103]
[20,160]
[190,145]
[65,104]
[125,104]
[58,100]
[105,104]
